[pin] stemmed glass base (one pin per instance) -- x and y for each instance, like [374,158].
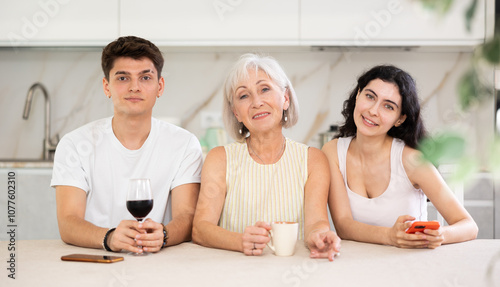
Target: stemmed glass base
[139,254]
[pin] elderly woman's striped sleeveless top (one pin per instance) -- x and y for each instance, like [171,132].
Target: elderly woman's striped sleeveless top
[257,192]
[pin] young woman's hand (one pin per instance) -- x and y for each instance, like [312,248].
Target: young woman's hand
[399,238]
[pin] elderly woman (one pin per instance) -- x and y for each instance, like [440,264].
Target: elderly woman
[263,177]
[379,182]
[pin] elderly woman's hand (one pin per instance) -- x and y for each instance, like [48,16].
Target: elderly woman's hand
[323,244]
[255,238]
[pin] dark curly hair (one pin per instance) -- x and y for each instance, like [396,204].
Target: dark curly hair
[131,47]
[412,131]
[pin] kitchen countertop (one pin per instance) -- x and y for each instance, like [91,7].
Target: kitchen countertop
[25,163]
[472,263]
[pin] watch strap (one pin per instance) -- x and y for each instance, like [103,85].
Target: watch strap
[165,236]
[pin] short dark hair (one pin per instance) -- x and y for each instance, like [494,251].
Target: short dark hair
[412,130]
[132,47]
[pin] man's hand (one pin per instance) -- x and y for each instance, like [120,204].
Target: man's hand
[130,235]
[152,240]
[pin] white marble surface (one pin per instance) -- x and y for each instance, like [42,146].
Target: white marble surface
[473,263]
[194,77]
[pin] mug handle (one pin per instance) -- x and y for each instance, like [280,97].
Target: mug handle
[270,244]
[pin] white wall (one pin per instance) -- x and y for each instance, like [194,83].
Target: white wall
[322,80]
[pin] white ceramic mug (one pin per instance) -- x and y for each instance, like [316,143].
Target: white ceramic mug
[283,237]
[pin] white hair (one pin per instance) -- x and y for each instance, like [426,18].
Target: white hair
[238,73]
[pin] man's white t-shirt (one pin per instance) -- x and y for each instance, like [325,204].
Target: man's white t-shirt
[93,159]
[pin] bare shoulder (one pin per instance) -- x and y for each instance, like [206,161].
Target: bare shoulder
[317,161]
[316,155]
[216,155]
[414,162]
[330,146]
[214,165]
[330,150]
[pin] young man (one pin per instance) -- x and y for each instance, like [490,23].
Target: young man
[93,164]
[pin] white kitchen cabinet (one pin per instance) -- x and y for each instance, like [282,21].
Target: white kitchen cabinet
[240,23]
[58,23]
[32,202]
[213,23]
[388,23]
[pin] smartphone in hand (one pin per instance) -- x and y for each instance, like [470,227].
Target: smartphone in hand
[91,258]
[420,226]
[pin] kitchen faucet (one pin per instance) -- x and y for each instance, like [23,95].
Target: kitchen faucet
[48,147]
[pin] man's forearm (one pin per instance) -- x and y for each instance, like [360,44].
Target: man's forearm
[79,232]
[179,229]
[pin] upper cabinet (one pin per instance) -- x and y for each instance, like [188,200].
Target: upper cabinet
[242,23]
[58,23]
[213,23]
[389,23]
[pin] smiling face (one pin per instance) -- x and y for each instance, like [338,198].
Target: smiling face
[133,86]
[259,103]
[378,108]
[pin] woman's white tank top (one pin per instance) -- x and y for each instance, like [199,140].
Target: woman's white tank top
[400,197]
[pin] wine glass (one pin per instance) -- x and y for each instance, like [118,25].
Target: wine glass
[139,202]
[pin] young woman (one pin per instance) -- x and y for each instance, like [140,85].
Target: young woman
[379,183]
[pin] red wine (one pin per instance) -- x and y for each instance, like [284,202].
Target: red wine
[139,208]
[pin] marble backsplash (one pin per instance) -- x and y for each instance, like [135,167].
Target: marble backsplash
[194,78]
